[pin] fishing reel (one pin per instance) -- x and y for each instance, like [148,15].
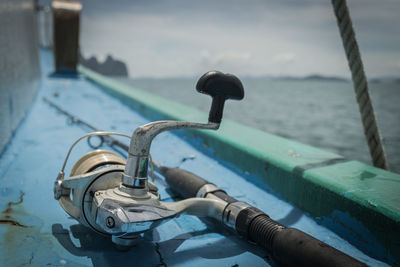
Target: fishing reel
[114,196]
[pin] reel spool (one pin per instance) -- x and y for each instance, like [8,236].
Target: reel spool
[96,160]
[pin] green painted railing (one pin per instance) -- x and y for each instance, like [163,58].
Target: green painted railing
[327,186]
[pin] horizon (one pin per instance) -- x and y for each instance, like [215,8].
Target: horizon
[106,68]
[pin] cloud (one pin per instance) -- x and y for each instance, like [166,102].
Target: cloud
[225,57]
[285,58]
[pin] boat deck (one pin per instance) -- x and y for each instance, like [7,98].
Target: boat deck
[36,231]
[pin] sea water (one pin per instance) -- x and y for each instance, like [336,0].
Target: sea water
[320,113]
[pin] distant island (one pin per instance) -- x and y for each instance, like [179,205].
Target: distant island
[319,77]
[388,79]
[110,67]
[313,77]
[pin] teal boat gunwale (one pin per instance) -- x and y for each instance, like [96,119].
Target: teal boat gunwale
[319,182]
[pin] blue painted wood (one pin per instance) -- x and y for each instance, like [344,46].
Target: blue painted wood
[47,236]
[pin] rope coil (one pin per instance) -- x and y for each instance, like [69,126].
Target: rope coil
[360,84]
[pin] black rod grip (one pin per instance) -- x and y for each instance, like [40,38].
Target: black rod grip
[296,248]
[292,247]
[185,183]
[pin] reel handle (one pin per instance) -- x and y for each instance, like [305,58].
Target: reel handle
[220,86]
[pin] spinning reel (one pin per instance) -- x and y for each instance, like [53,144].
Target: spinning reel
[115,197]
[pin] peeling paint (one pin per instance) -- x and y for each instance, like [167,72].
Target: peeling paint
[10,204]
[12,222]
[7,218]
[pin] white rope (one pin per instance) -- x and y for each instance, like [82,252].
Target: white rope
[360,84]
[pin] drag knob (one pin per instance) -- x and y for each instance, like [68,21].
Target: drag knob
[220,87]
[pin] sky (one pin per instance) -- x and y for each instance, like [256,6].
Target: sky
[170,38]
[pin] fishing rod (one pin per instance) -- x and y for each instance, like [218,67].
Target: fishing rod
[114,197]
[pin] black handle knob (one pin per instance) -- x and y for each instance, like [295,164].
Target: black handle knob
[220,86]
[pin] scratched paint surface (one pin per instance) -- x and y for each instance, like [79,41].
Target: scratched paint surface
[34,230]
